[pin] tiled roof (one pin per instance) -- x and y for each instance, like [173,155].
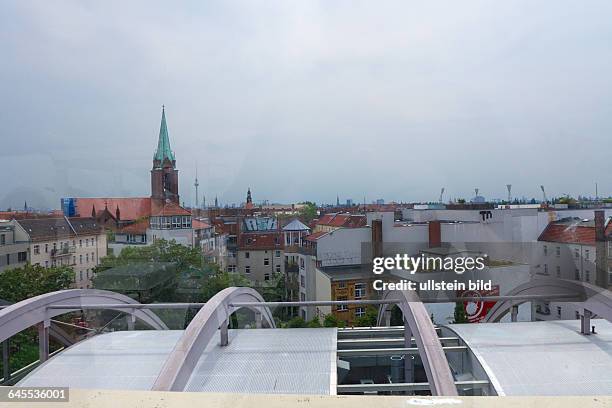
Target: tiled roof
[130,208]
[314,237]
[139,227]
[260,241]
[343,220]
[45,229]
[167,208]
[572,233]
[197,224]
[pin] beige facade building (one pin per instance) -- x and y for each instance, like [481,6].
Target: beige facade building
[79,243]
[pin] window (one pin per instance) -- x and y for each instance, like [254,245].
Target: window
[93,258]
[46,264]
[558,251]
[46,248]
[559,311]
[81,275]
[54,247]
[342,308]
[2,239]
[360,290]
[22,256]
[545,250]
[558,271]
[231,268]
[36,249]
[247,269]
[8,259]
[277,253]
[576,253]
[577,315]
[545,269]
[302,297]
[81,258]
[577,274]
[587,276]
[86,257]
[266,261]
[278,268]
[247,255]
[301,263]
[360,312]
[266,276]
[80,243]
[302,281]
[586,254]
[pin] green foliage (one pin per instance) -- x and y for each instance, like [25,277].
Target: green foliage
[161,250]
[332,321]
[369,319]
[460,315]
[220,281]
[314,323]
[296,322]
[33,280]
[308,212]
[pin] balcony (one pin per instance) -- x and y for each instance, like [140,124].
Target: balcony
[63,251]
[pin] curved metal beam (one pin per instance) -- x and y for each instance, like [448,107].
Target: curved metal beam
[594,298]
[21,315]
[181,362]
[54,330]
[432,355]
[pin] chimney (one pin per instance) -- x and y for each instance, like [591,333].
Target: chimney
[601,251]
[377,238]
[435,234]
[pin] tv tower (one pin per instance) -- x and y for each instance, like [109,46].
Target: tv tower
[196,184]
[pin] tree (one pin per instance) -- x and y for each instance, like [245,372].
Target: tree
[296,322]
[314,323]
[221,280]
[460,315]
[369,319]
[332,321]
[308,212]
[22,283]
[33,280]
[159,251]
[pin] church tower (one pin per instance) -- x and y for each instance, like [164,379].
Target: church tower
[249,200]
[164,176]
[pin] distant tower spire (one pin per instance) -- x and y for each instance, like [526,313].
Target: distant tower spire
[163,143]
[25,206]
[337,200]
[249,199]
[196,184]
[216,202]
[203,201]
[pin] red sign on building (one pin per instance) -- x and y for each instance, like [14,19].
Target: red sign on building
[476,310]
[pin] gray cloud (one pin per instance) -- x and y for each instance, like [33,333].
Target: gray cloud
[303,100]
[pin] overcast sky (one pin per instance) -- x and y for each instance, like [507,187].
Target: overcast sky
[305,100]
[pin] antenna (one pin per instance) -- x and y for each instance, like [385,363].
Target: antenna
[196,184]
[509,187]
[476,191]
[441,194]
[596,193]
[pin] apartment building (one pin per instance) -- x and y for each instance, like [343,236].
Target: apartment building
[334,221]
[78,243]
[567,249]
[13,254]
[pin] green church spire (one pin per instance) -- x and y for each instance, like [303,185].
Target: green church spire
[163,145]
